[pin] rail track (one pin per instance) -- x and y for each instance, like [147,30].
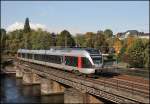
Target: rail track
[117,83]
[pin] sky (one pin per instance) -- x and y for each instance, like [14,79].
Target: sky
[76,16]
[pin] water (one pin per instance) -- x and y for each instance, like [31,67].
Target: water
[12,91]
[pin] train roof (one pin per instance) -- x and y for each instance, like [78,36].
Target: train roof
[59,51]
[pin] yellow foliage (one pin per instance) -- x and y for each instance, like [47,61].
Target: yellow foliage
[130,41]
[117,46]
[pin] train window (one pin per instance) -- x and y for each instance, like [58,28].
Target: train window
[53,59]
[46,58]
[75,61]
[19,54]
[29,56]
[58,59]
[93,51]
[97,60]
[71,61]
[35,56]
[41,57]
[86,63]
[23,55]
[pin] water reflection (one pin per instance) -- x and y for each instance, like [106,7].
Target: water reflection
[12,91]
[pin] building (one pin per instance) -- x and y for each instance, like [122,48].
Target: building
[145,35]
[133,33]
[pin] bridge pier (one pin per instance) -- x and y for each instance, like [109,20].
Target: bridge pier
[51,87]
[72,95]
[19,72]
[30,78]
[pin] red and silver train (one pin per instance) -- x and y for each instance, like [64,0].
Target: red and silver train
[84,60]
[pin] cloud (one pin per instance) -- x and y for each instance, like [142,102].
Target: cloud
[56,29]
[15,26]
[20,25]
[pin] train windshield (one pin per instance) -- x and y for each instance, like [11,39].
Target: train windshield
[93,51]
[97,60]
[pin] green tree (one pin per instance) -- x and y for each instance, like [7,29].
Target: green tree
[65,39]
[100,42]
[3,39]
[146,57]
[146,52]
[135,54]
[14,41]
[80,39]
[27,26]
[90,38]
[108,33]
[100,38]
[41,39]
[27,34]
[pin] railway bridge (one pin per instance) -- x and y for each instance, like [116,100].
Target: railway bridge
[79,89]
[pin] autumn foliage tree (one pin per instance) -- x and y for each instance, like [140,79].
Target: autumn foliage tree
[117,46]
[128,42]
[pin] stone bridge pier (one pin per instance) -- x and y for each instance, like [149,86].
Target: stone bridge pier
[30,78]
[72,95]
[19,72]
[51,87]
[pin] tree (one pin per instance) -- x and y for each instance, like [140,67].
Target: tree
[65,39]
[27,34]
[3,39]
[80,39]
[14,41]
[41,39]
[146,57]
[100,42]
[146,52]
[27,26]
[90,39]
[108,33]
[117,45]
[135,53]
[128,42]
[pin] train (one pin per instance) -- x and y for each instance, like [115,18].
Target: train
[82,60]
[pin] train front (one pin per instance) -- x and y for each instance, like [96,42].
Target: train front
[96,58]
